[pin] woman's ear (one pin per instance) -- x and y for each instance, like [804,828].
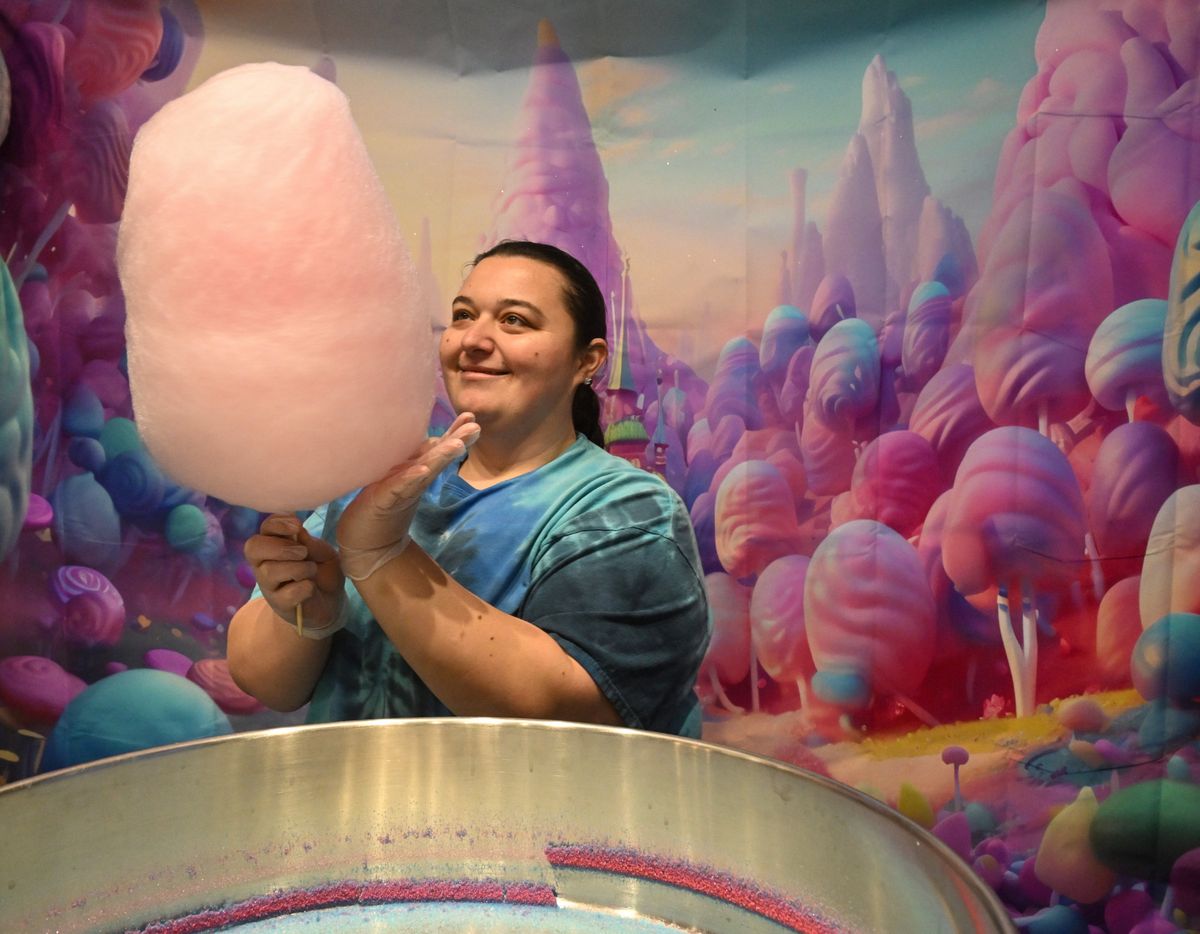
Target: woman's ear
[593,358]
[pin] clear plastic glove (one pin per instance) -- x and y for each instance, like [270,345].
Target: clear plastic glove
[374,527]
[293,568]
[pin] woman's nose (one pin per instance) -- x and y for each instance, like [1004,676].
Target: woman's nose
[478,335]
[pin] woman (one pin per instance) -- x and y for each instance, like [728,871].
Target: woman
[533,575]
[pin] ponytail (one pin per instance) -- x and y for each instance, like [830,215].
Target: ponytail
[585,413]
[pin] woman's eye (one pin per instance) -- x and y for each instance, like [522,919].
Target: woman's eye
[458,314]
[514,320]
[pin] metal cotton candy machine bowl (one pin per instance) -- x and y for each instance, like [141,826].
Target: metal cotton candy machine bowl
[563,827]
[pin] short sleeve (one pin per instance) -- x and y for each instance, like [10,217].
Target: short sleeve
[628,604]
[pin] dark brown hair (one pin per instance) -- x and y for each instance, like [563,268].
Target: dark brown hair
[585,303]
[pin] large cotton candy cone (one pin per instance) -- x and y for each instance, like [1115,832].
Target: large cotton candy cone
[277,353]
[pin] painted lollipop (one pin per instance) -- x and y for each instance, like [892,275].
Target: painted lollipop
[1015,520]
[1124,358]
[869,614]
[1181,335]
[277,226]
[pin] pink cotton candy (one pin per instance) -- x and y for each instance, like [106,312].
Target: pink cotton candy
[277,354]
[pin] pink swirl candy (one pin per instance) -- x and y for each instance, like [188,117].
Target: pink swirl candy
[212,674]
[868,609]
[1015,514]
[93,612]
[755,519]
[36,689]
[949,415]
[844,380]
[117,42]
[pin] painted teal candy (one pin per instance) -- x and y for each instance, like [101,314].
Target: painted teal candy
[1166,660]
[186,527]
[16,415]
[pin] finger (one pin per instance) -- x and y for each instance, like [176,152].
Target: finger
[260,548]
[462,419]
[318,549]
[290,596]
[282,524]
[277,574]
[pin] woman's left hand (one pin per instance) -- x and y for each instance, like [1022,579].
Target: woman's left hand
[374,527]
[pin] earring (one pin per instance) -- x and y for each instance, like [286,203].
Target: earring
[587,381]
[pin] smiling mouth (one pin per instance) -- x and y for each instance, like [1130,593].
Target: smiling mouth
[478,372]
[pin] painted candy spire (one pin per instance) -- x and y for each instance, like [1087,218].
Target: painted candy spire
[555,189]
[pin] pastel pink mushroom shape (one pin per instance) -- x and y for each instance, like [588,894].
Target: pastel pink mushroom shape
[1170,580]
[212,674]
[1181,333]
[1015,521]
[949,415]
[1029,378]
[844,379]
[868,610]
[777,628]
[93,612]
[959,620]
[36,689]
[957,757]
[926,334]
[1124,358]
[728,658]
[1065,859]
[299,238]
[896,480]
[1134,473]
[755,519]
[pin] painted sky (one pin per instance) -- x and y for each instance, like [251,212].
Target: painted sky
[700,111]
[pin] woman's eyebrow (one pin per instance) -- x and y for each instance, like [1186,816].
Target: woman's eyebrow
[506,303]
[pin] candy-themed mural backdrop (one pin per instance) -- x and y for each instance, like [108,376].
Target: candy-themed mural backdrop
[905,304]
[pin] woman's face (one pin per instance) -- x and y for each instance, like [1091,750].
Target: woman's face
[509,353]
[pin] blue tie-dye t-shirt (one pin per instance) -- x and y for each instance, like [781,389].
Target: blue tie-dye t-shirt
[599,554]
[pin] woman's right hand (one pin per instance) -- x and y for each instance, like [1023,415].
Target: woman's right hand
[292,568]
